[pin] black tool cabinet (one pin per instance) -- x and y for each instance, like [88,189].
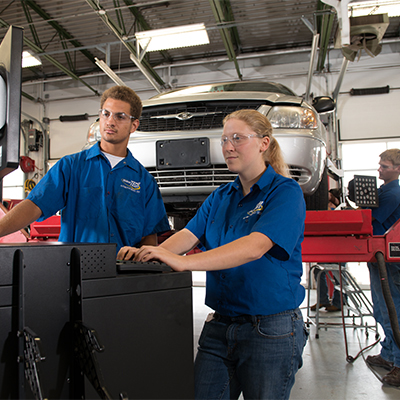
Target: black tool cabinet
[79,329]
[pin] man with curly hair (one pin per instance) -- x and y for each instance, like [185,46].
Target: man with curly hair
[104,194]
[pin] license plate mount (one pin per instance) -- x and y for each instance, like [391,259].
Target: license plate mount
[183,153]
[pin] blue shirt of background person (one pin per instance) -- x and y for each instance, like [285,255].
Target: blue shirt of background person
[99,204]
[274,207]
[251,231]
[388,211]
[104,194]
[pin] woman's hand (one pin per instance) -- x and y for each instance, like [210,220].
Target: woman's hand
[127,253]
[241,251]
[151,253]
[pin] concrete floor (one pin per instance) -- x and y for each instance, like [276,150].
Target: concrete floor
[326,374]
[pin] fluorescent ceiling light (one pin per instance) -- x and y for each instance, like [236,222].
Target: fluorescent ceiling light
[29,60]
[359,8]
[109,72]
[173,38]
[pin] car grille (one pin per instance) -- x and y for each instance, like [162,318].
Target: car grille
[200,115]
[215,175]
[188,177]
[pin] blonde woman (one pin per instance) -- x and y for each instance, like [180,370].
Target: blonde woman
[251,232]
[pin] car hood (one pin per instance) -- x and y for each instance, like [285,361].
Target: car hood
[273,98]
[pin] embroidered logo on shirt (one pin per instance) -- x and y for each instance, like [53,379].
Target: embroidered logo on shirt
[256,210]
[131,185]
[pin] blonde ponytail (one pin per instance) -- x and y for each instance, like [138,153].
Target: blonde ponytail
[260,124]
[274,157]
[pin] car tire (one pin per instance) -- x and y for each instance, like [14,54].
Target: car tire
[319,200]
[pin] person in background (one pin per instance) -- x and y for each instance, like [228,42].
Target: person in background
[334,304]
[105,195]
[251,232]
[383,217]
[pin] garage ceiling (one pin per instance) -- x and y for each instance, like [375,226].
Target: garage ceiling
[68,35]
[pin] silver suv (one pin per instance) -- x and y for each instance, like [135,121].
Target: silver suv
[178,140]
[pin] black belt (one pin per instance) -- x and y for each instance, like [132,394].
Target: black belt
[239,319]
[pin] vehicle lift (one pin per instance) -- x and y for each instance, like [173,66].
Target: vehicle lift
[346,236]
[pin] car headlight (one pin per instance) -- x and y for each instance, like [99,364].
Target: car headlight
[93,134]
[292,118]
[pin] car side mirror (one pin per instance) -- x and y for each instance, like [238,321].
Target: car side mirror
[324,104]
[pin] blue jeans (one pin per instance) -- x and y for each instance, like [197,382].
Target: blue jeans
[256,355]
[389,350]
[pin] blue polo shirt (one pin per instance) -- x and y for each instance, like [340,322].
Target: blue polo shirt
[99,204]
[388,211]
[275,207]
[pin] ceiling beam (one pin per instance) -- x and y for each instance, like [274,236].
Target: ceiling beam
[38,50]
[63,32]
[119,16]
[144,25]
[324,24]
[67,54]
[222,11]
[30,23]
[151,75]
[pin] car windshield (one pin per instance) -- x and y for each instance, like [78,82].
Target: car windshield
[255,86]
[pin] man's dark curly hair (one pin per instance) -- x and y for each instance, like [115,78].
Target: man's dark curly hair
[124,93]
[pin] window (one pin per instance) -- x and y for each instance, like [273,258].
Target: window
[362,158]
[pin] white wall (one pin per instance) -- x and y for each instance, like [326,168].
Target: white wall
[372,116]
[69,98]
[70,137]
